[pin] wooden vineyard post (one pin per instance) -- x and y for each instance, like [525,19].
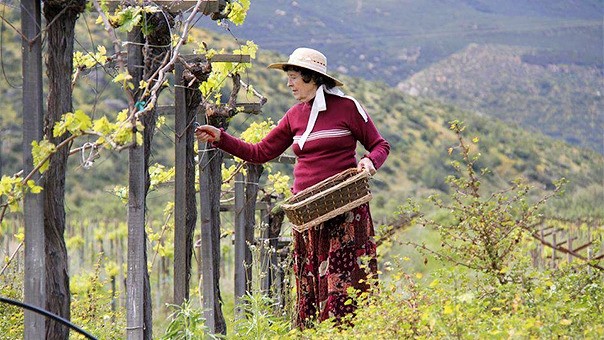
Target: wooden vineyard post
[254,171]
[210,180]
[266,244]
[189,73]
[241,249]
[207,242]
[245,221]
[137,280]
[554,250]
[33,207]
[589,249]
[569,244]
[210,183]
[271,283]
[246,191]
[181,279]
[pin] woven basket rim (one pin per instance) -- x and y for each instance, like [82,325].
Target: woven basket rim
[327,188]
[359,175]
[332,214]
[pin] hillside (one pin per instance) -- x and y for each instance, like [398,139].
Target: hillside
[392,41]
[388,40]
[417,129]
[562,101]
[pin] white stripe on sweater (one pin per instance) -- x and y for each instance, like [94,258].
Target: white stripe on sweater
[320,105]
[333,133]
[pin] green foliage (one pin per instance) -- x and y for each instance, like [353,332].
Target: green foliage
[460,304]
[238,11]
[11,317]
[483,229]
[280,184]
[259,314]
[186,323]
[222,70]
[259,320]
[124,78]
[545,305]
[83,60]
[162,241]
[256,131]
[158,175]
[94,305]
[76,123]
[12,190]
[94,308]
[41,152]
[126,18]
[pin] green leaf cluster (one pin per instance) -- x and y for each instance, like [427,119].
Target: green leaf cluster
[12,189]
[41,152]
[222,70]
[83,60]
[257,131]
[237,10]
[280,184]
[75,122]
[126,18]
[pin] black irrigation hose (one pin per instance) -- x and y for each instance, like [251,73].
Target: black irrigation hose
[47,314]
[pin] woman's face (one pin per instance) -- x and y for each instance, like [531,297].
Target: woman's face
[302,91]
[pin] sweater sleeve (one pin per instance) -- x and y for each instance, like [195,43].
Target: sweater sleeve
[270,147]
[367,134]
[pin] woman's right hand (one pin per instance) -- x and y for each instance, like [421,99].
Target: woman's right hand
[207,133]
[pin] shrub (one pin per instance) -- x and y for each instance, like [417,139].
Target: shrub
[482,230]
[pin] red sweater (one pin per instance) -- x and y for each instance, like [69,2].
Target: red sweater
[330,148]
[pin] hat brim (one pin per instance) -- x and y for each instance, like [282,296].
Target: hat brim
[281,66]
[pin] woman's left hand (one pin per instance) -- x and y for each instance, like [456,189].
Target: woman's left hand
[366,164]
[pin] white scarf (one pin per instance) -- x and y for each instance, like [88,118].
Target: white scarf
[319,105]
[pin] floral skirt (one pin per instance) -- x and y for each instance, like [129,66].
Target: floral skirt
[327,260]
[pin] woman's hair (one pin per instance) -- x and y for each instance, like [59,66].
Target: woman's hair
[310,75]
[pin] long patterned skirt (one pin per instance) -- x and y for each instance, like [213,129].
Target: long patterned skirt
[327,260]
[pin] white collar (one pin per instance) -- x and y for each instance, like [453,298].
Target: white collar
[319,105]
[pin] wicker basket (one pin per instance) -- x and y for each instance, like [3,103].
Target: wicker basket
[328,199]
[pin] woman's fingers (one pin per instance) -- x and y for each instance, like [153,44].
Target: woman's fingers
[207,133]
[367,165]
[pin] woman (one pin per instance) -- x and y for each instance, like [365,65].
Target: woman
[324,128]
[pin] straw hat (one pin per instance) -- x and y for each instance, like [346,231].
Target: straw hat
[309,59]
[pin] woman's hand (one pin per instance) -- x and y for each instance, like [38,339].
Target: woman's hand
[367,165]
[207,133]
